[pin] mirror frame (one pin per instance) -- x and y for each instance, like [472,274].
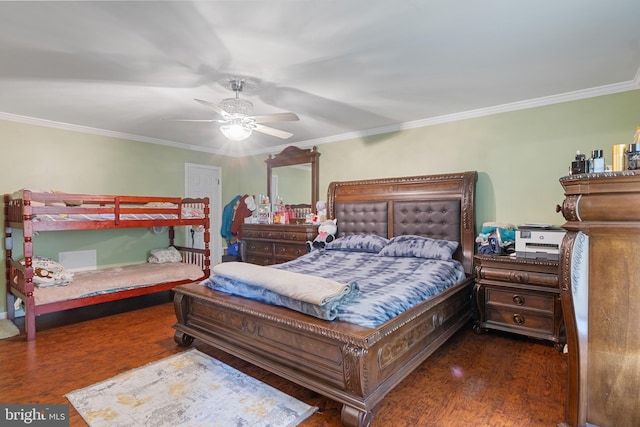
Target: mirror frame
[295,156]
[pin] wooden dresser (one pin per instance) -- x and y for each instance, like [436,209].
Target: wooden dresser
[519,295]
[267,244]
[600,292]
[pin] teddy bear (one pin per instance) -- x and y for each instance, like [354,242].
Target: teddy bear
[326,234]
[47,272]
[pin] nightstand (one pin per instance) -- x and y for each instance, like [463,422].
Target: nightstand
[519,295]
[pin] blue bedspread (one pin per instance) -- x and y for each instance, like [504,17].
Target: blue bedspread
[387,286]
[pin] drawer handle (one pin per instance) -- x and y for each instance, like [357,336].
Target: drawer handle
[282,250]
[518,300]
[521,277]
[518,318]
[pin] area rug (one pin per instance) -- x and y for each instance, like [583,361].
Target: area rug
[8,329]
[187,389]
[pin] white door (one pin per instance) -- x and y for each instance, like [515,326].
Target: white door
[205,181]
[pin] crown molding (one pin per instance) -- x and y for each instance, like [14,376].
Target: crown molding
[488,111]
[447,118]
[100,132]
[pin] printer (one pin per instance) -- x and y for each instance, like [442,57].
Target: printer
[539,241]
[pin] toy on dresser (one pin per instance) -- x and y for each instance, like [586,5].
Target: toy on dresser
[320,215]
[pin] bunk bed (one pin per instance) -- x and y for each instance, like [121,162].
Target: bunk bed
[347,362]
[34,212]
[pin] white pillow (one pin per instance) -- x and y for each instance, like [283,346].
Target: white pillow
[163,255]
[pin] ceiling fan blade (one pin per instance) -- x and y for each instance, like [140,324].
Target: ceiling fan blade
[277,117]
[203,121]
[214,106]
[273,132]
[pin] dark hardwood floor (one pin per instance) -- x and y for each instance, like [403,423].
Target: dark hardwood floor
[488,380]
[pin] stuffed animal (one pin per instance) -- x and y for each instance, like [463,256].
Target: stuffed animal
[47,272]
[326,234]
[321,212]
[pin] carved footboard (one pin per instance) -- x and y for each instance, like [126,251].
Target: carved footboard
[353,365]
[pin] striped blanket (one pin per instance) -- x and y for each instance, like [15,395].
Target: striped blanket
[382,287]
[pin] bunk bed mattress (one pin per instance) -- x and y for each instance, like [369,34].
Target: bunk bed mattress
[65,217]
[114,279]
[387,286]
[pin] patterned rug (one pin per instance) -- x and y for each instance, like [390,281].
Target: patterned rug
[187,389]
[7,329]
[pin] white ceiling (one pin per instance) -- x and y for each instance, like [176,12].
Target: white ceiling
[347,67]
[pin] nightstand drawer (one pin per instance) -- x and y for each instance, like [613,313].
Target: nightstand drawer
[518,276]
[518,298]
[521,320]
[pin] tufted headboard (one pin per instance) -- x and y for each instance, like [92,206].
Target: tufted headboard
[436,206]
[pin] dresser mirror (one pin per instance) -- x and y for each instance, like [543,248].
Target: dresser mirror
[292,175]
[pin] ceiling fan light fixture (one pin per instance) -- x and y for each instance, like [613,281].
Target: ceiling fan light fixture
[236,129]
[238,122]
[237,106]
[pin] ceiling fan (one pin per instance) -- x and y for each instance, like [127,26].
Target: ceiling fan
[237,121]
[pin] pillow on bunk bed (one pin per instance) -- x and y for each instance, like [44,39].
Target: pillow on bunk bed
[163,255]
[160,205]
[68,202]
[419,247]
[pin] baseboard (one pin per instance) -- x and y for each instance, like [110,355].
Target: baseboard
[18,313]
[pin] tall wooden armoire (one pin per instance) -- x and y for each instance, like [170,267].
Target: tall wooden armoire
[600,294]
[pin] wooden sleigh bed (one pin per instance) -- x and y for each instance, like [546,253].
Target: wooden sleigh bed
[35,212]
[354,365]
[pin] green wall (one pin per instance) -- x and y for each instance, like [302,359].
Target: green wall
[519,155]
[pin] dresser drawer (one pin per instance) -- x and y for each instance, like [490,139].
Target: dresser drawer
[270,234]
[259,260]
[251,233]
[518,298]
[289,251]
[258,247]
[298,237]
[524,320]
[268,244]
